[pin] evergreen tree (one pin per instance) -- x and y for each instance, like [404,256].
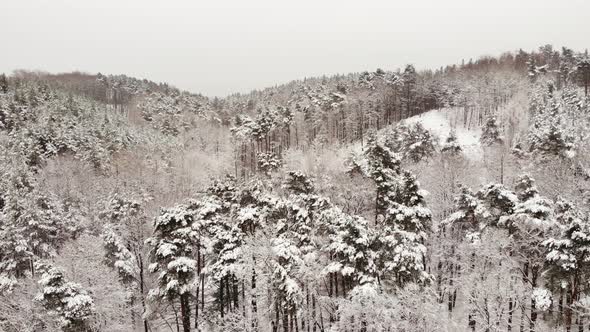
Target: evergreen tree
[491,134]
[119,257]
[528,223]
[400,211]
[68,300]
[583,70]
[469,214]
[451,145]
[402,239]
[268,162]
[383,167]
[551,140]
[568,256]
[3,83]
[409,79]
[123,238]
[412,142]
[549,135]
[498,202]
[34,226]
[299,183]
[302,208]
[350,246]
[173,255]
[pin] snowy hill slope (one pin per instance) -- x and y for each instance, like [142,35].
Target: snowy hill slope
[441,122]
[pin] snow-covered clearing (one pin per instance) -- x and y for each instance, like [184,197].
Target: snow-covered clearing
[441,122]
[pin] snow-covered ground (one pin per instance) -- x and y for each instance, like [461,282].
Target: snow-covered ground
[441,122]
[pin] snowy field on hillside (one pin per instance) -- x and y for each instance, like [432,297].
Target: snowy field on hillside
[441,122]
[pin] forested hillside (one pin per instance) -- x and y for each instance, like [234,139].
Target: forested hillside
[451,199]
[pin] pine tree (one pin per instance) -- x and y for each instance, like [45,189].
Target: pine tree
[469,214]
[119,257]
[407,222]
[528,223]
[68,300]
[173,246]
[301,210]
[34,225]
[548,136]
[123,236]
[413,142]
[568,255]
[400,211]
[451,145]
[268,162]
[3,83]
[491,134]
[409,79]
[383,167]
[583,70]
[350,246]
[299,183]
[498,202]
[287,290]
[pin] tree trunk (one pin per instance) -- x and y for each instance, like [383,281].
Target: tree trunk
[185,312]
[228,292]
[285,313]
[534,272]
[313,321]
[236,292]
[254,304]
[221,297]
[141,290]
[568,308]
[510,309]
[198,287]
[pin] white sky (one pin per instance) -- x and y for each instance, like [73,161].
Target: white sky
[217,47]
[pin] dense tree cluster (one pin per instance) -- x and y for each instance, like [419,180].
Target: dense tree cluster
[130,205]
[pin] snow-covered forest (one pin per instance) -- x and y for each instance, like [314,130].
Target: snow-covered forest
[451,199]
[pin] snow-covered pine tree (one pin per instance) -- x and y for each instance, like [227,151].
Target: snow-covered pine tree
[172,252]
[491,132]
[405,227]
[451,145]
[583,71]
[468,216]
[302,208]
[255,206]
[531,213]
[383,167]
[119,257]
[551,140]
[123,236]
[226,189]
[409,79]
[287,290]
[568,255]
[400,212]
[268,162]
[226,241]
[300,219]
[34,225]
[350,248]
[529,222]
[498,202]
[413,142]
[3,83]
[67,300]
[518,151]
[299,183]
[548,136]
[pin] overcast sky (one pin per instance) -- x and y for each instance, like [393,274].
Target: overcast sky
[217,47]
